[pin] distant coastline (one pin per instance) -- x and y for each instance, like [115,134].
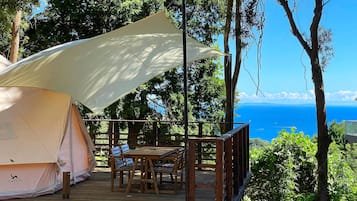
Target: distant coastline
[268,119]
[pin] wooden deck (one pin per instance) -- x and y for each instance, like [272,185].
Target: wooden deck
[97,187]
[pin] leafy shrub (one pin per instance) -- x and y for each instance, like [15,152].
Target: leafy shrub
[341,178]
[336,132]
[286,170]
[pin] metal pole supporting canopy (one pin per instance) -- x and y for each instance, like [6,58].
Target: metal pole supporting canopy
[185,116]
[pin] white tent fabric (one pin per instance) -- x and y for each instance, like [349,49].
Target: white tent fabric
[99,70]
[41,136]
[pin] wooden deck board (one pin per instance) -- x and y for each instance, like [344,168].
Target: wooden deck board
[97,187]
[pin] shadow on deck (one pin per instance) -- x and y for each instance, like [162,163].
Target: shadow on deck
[97,187]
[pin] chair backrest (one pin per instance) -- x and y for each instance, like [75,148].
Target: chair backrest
[116,152]
[175,161]
[180,159]
[125,148]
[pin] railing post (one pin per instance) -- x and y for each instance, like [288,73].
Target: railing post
[191,171]
[110,134]
[236,164]
[93,135]
[244,147]
[241,159]
[119,133]
[219,169]
[228,168]
[199,144]
[246,150]
[115,132]
[155,132]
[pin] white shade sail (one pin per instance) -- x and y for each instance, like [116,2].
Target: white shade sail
[4,62]
[99,70]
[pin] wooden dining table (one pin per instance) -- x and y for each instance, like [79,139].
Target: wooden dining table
[145,157]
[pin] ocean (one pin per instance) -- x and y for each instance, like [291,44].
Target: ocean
[266,120]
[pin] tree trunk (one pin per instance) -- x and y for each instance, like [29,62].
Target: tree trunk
[238,35]
[312,51]
[323,140]
[228,69]
[239,47]
[15,33]
[133,131]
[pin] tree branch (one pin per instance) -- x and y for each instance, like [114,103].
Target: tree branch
[294,28]
[314,28]
[238,43]
[227,29]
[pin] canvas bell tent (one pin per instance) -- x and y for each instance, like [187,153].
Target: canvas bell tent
[41,135]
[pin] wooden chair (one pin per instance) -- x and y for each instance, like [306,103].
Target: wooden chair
[119,165]
[172,165]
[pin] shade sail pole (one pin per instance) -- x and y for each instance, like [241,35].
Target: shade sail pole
[185,111]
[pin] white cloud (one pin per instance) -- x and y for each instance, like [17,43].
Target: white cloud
[338,97]
[341,96]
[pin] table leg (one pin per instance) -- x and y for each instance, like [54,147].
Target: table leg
[132,174]
[146,171]
[143,177]
[153,175]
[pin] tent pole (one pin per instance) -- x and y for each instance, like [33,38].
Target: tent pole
[185,116]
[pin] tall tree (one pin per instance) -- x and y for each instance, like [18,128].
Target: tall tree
[15,34]
[248,16]
[206,95]
[314,46]
[229,106]
[12,20]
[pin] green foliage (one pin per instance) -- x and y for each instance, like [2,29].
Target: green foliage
[135,105]
[252,22]
[7,15]
[336,132]
[286,170]
[351,156]
[257,143]
[342,179]
[5,29]
[204,18]
[68,20]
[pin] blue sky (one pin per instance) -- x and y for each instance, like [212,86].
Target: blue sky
[283,75]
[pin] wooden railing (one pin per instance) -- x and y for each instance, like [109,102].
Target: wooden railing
[227,155]
[231,164]
[153,133]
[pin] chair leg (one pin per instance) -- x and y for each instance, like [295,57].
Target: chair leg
[120,179]
[181,179]
[112,180]
[172,178]
[175,183]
